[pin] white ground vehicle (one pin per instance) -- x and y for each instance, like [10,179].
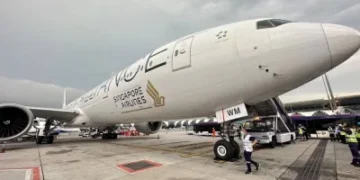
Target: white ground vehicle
[270,130]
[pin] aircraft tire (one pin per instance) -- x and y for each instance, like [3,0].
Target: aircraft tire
[114,136]
[223,150]
[50,140]
[236,149]
[39,140]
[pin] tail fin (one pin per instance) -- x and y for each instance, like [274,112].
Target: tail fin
[64,99]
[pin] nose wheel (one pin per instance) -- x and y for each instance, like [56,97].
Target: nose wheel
[221,150]
[225,150]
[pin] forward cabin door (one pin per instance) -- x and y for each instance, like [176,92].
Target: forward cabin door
[182,54]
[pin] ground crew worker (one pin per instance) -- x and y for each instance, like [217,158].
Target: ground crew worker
[239,135]
[248,142]
[239,132]
[231,132]
[305,132]
[350,135]
[331,133]
[300,131]
[342,134]
[337,132]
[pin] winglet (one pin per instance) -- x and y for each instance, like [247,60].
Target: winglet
[64,99]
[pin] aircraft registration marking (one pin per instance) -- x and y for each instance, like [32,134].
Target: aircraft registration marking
[231,113]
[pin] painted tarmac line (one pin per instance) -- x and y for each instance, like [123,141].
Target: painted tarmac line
[32,173]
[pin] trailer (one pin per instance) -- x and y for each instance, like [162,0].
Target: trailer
[270,130]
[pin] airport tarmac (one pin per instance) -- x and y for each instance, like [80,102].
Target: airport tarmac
[174,155]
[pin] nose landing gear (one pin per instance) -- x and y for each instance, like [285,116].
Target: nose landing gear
[226,149]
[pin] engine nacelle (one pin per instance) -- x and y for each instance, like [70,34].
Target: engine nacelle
[148,127]
[15,120]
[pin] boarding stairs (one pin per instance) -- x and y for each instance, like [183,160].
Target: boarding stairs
[274,107]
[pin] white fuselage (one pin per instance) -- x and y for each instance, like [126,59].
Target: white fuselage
[201,73]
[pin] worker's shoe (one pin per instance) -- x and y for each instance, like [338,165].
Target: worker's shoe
[257,166]
[248,172]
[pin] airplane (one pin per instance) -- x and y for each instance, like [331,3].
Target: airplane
[219,71]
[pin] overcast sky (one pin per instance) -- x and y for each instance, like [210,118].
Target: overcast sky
[80,43]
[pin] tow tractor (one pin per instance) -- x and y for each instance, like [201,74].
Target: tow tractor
[267,131]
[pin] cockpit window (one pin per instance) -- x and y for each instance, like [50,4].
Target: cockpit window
[271,23]
[264,24]
[278,22]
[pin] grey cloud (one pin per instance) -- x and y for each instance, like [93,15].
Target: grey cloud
[343,80]
[79,43]
[30,93]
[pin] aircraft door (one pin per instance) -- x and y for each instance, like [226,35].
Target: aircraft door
[182,54]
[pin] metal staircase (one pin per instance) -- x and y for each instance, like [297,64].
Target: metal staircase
[274,107]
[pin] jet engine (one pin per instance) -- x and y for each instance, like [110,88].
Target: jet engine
[148,127]
[15,120]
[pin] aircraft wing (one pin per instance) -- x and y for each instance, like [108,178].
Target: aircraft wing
[58,114]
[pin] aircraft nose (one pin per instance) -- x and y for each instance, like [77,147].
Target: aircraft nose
[343,42]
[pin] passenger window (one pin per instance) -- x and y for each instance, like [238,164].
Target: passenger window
[278,22]
[264,24]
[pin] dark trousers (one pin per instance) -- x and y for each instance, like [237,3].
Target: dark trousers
[332,137]
[355,153]
[249,161]
[338,137]
[342,137]
[305,136]
[358,143]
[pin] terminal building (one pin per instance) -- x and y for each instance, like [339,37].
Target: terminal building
[351,103]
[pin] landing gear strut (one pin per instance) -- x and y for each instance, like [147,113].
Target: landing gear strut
[45,134]
[226,149]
